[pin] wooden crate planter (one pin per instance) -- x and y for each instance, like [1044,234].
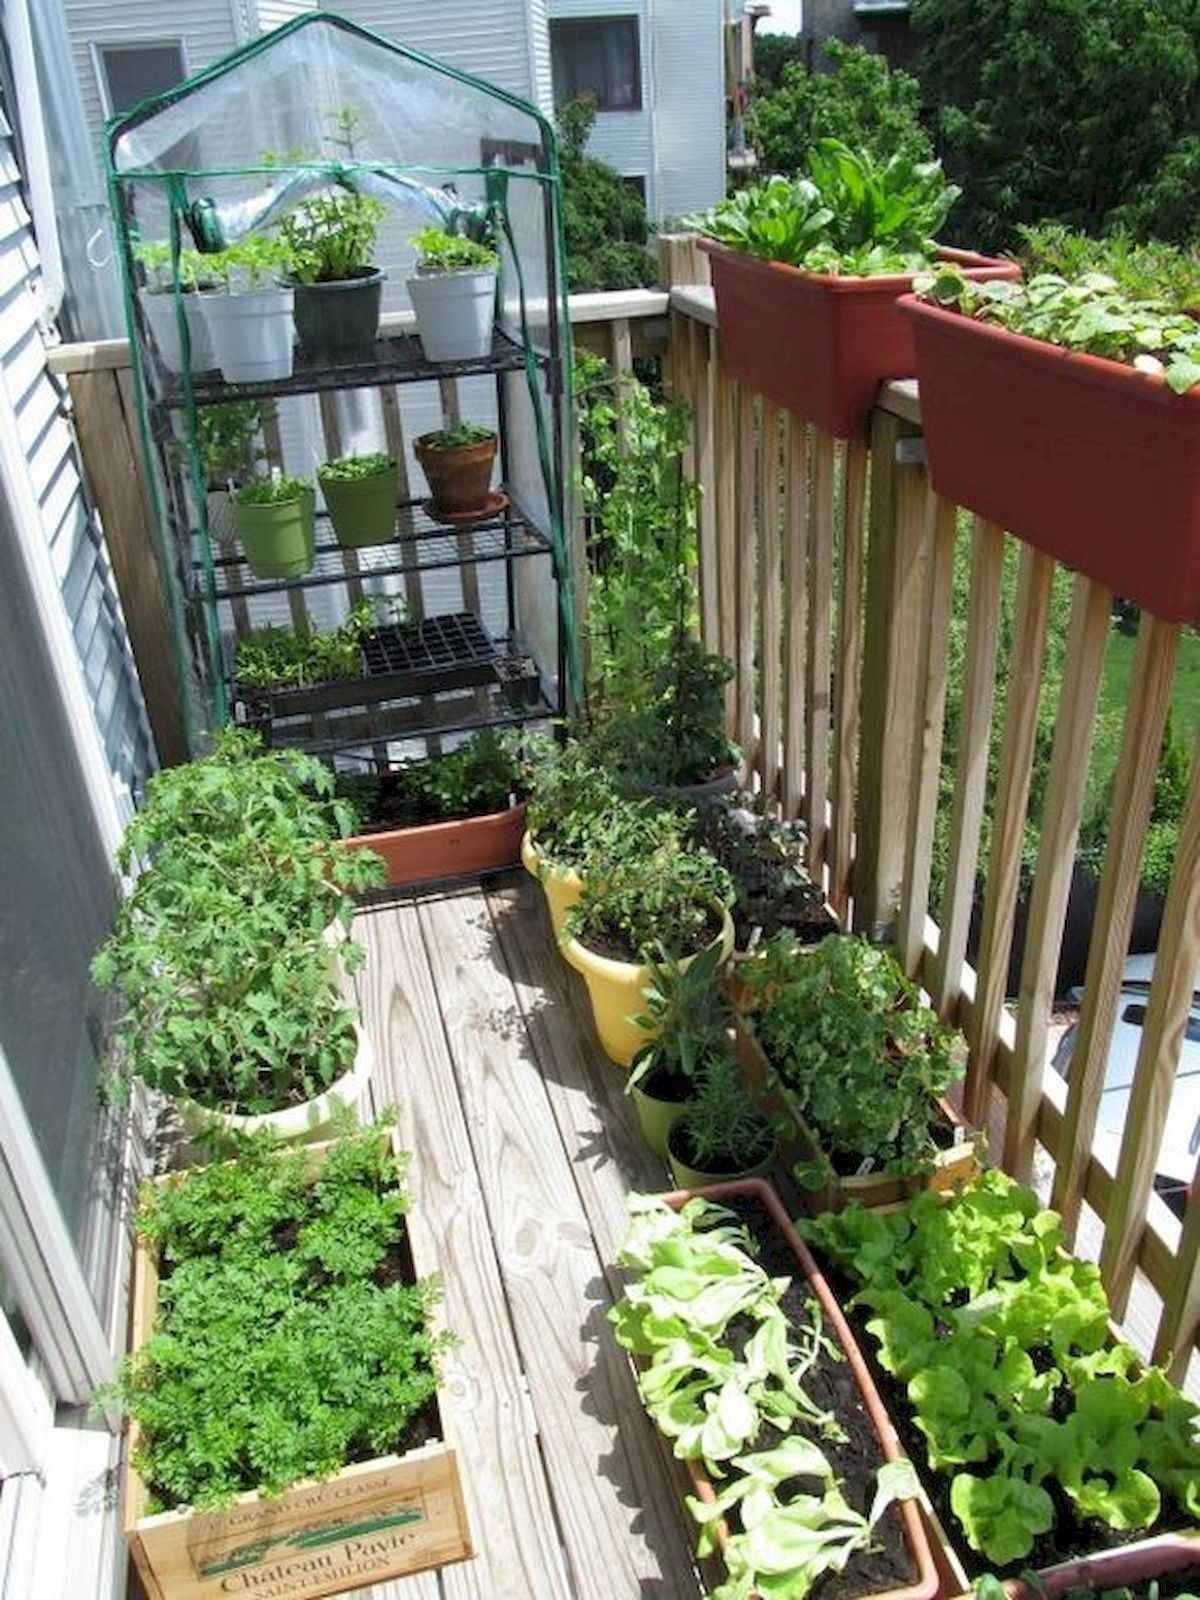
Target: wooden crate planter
[956,1164]
[371,1522]
[436,851]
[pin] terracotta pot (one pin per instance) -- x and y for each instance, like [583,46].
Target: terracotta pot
[817,343]
[437,850]
[458,479]
[835,1324]
[1089,460]
[956,1164]
[1114,1569]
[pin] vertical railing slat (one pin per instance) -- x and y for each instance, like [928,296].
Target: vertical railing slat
[820,653]
[1179,1325]
[769,578]
[970,779]
[1008,824]
[725,462]
[1091,609]
[928,727]
[748,485]
[1167,1013]
[847,689]
[704,364]
[796,614]
[1128,818]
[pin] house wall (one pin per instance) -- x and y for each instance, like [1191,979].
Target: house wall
[888,34]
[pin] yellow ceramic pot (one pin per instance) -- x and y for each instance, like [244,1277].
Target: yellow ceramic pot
[562,886]
[617,990]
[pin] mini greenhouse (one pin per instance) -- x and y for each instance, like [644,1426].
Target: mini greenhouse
[267,210]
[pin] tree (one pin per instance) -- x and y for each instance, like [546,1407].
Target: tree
[862,102]
[604,217]
[772,53]
[1080,110]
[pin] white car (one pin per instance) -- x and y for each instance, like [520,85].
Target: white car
[1181,1140]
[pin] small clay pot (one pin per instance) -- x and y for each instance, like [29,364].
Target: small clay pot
[459,478]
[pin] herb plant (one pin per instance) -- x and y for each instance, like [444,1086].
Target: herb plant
[466,433]
[227,438]
[723,1130]
[845,1031]
[638,908]
[286,1344]
[1002,1342]
[1150,271]
[693,1278]
[352,469]
[689,1015]
[580,810]
[331,237]
[256,261]
[478,777]
[439,251]
[1093,315]
[273,491]
[274,657]
[765,859]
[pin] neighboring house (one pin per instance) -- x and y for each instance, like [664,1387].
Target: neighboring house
[879,25]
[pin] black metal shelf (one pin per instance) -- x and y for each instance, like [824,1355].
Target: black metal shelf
[396,359]
[422,544]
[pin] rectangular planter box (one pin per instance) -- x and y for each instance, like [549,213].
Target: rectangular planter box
[927,1582]
[438,850]
[817,343]
[958,1163]
[373,1521]
[1090,461]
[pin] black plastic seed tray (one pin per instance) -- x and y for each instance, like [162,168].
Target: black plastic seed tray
[435,645]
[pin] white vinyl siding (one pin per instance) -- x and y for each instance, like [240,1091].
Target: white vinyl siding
[491,39]
[689,106]
[273,13]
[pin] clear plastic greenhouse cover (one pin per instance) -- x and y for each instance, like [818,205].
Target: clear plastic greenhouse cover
[322,104]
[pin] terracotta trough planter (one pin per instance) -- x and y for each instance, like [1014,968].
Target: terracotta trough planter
[926,1584]
[435,851]
[817,343]
[1090,461]
[957,1163]
[1114,1569]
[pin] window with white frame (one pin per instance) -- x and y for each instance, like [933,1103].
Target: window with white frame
[131,73]
[600,56]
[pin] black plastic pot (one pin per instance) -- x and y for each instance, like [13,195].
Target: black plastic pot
[339,321]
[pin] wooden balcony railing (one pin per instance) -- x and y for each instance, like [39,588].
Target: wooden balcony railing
[827,577]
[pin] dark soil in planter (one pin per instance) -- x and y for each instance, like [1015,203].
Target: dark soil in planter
[1072,1537]
[614,945]
[846,1164]
[673,1087]
[728,1163]
[765,858]
[830,1383]
[389,801]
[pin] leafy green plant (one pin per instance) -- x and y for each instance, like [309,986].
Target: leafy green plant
[351,469]
[643,907]
[440,251]
[1149,271]
[780,219]
[275,657]
[273,491]
[227,438]
[676,736]
[689,1014]
[1003,1343]
[765,858]
[845,1031]
[195,270]
[478,777]
[466,433]
[285,1345]
[581,810]
[251,263]
[723,1130]
[1093,315]
[221,953]
[330,238]
[604,216]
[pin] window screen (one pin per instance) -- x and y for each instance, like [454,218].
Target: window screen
[133,72]
[600,56]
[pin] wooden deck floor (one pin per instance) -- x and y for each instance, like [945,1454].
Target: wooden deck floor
[525,1147]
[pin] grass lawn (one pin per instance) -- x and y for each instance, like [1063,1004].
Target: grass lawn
[1114,697]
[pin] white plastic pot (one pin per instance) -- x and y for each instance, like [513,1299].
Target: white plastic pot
[454,311]
[251,334]
[310,1120]
[159,310]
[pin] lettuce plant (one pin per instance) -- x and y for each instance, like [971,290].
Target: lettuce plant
[1002,1343]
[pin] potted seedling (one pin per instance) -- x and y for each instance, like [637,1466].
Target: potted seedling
[861,1068]
[227,952]
[448,816]
[360,493]
[1039,1436]
[157,299]
[305,1293]
[280,671]
[723,1133]
[572,797]
[331,240]
[668,902]
[672,737]
[807,272]
[273,517]
[458,465]
[248,313]
[453,294]
[751,1374]
[1049,407]
[688,1017]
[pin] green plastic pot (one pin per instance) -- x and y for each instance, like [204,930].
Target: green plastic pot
[277,539]
[308,507]
[339,321]
[694,1178]
[362,510]
[656,1117]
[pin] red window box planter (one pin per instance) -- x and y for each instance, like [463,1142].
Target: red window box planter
[438,850]
[1090,461]
[817,343]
